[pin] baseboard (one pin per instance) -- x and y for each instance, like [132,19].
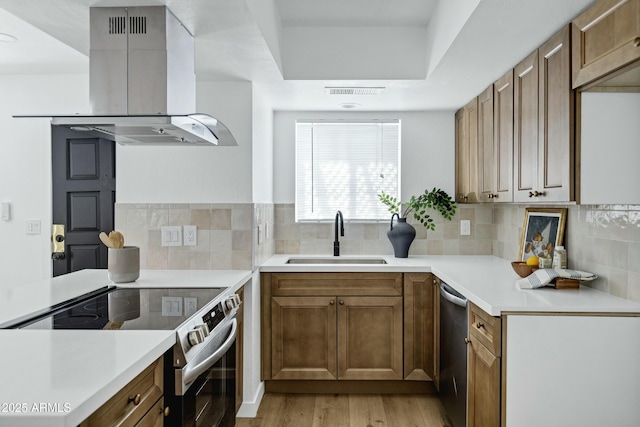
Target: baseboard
[350,387]
[249,408]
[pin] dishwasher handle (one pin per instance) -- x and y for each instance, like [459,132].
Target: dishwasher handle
[454,299]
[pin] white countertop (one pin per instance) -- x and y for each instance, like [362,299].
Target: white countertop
[487,281]
[62,376]
[25,301]
[59,378]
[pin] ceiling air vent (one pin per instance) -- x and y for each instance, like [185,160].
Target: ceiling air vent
[117,25]
[137,25]
[353,90]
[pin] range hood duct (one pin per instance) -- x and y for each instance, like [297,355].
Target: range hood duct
[142,81]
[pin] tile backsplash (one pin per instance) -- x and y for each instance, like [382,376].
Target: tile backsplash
[362,239]
[601,239]
[226,234]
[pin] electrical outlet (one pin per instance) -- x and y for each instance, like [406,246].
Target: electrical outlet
[190,235]
[33,226]
[465,227]
[171,236]
[190,305]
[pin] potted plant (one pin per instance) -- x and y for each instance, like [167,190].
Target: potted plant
[402,235]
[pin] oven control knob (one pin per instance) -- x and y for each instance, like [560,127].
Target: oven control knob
[231,303]
[204,328]
[195,337]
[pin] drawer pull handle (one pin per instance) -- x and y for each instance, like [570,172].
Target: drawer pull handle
[332,302]
[135,399]
[166,411]
[341,302]
[479,325]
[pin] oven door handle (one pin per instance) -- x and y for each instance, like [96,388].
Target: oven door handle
[190,373]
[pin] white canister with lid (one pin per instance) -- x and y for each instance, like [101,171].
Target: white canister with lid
[559,257]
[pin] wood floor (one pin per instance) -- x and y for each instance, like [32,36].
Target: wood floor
[353,410]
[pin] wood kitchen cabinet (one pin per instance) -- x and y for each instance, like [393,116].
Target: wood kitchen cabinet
[503,138]
[484,369]
[543,166]
[467,153]
[420,327]
[328,326]
[486,170]
[605,38]
[357,331]
[139,403]
[495,141]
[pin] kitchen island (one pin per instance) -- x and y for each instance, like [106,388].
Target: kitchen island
[60,377]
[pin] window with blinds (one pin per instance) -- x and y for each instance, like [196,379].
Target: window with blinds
[344,166]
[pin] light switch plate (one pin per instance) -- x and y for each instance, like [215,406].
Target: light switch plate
[6,211]
[171,235]
[172,306]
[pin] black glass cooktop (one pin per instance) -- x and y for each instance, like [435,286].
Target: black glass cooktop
[133,309]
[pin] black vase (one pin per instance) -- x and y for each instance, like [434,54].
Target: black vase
[401,235]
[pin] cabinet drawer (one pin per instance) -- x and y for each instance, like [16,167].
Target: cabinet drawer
[331,284]
[133,401]
[485,328]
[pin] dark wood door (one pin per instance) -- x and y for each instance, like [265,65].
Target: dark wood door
[83,196]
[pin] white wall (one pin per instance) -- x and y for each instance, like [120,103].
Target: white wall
[195,174]
[25,167]
[610,148]
[427,151]
[262,145]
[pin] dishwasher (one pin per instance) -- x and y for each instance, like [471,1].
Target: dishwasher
[453,354]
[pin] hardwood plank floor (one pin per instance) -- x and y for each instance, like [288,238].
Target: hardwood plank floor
[347,410]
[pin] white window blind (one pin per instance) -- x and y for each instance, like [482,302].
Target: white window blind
[343,166]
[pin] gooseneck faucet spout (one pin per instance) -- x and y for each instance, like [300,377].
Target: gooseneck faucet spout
[336,242]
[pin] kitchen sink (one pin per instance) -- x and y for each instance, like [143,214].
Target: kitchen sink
[336,260]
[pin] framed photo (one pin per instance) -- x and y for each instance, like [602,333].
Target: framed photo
[542,231]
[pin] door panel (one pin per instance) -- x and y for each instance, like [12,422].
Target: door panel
[303,338]
[83,196]
[370,338]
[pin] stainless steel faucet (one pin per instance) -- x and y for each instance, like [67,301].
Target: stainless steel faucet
[336,242]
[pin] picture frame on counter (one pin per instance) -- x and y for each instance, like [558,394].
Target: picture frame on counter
[542,231]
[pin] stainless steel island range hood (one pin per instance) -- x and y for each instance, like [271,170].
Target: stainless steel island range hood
[142,81]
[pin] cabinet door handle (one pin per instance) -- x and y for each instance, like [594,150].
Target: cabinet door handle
[135,399]
[479,325]
[341,302]
[636,42]
[467,340]
[165,411]
[332,302]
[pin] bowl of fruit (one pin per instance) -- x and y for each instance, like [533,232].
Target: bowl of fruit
[525,268]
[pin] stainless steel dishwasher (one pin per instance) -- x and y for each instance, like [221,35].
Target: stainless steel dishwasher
[453,354]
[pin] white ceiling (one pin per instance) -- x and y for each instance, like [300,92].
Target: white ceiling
[429,54]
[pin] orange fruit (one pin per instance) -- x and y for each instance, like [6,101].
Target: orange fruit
[533,260]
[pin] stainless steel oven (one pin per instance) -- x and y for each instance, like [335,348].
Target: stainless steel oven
[200,369]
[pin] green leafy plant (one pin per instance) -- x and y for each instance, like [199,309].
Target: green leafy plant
[436,199]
